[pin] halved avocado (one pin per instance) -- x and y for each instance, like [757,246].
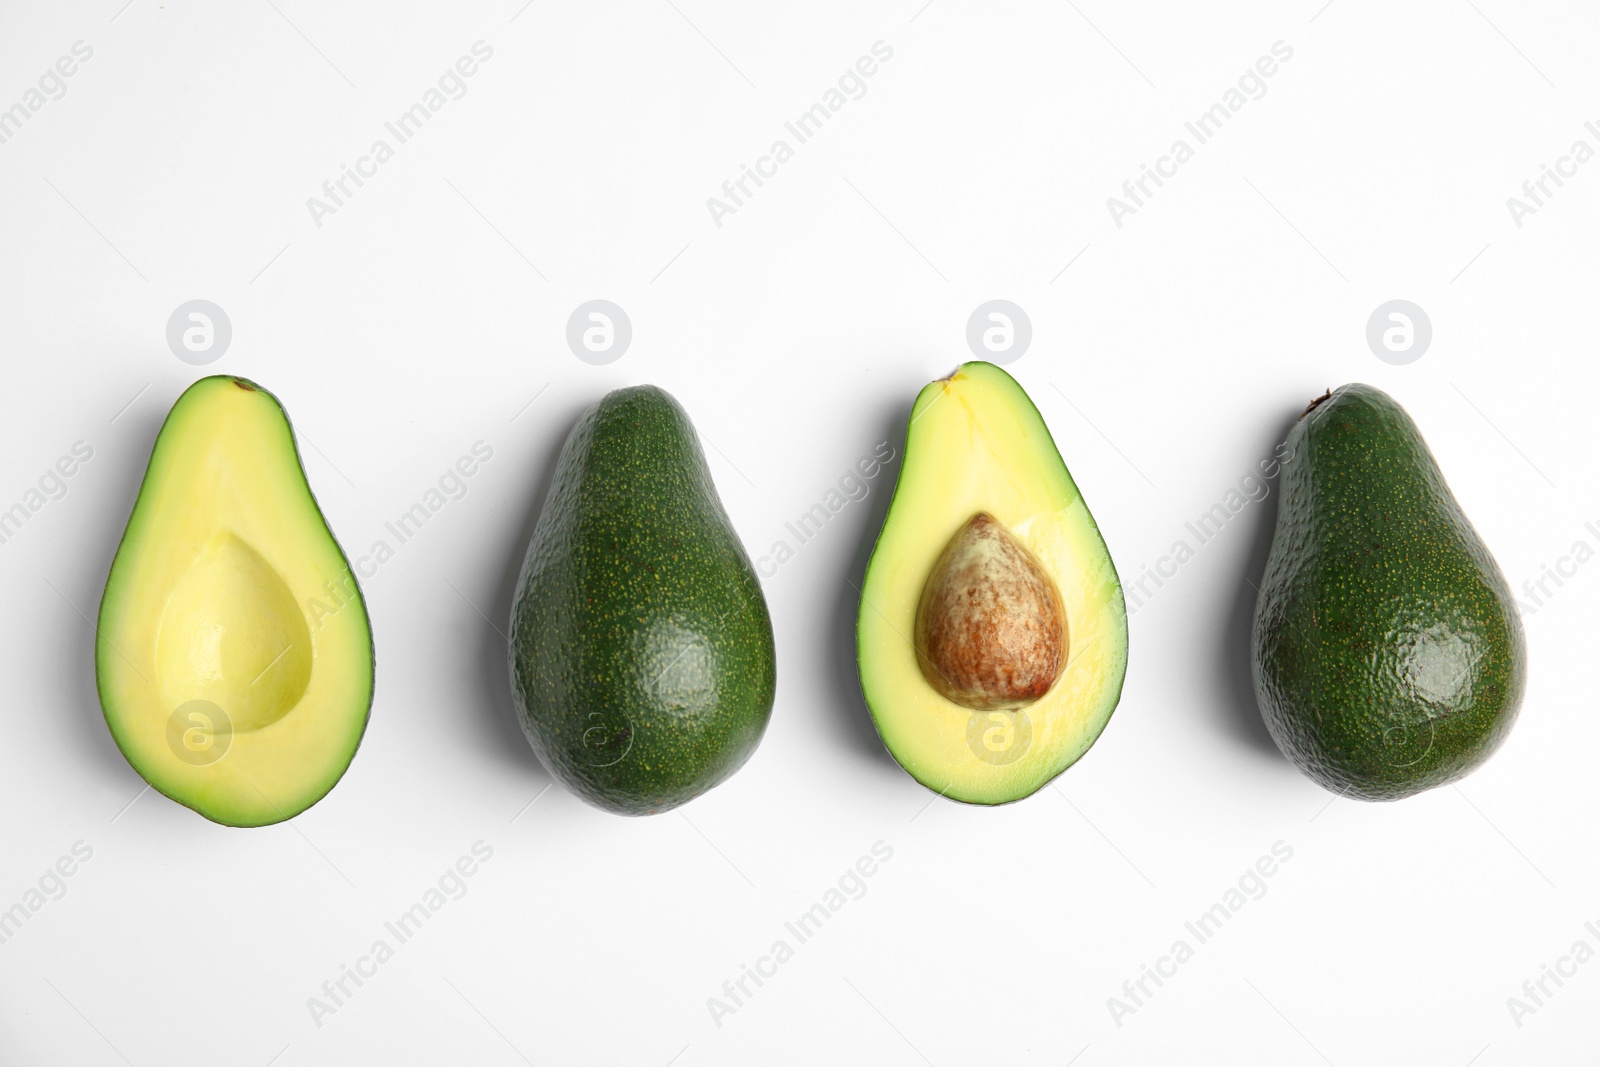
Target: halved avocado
[992,637]
[234,658]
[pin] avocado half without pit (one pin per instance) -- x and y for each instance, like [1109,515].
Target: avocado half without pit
[992,635]
[233,655]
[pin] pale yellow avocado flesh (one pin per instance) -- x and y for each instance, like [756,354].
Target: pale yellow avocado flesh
[234,656]
[976,443]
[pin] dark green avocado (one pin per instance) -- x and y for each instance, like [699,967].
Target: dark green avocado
[1388,654]
[642,660]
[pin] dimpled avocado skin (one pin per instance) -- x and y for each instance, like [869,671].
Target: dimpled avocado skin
[642,659]
[1388,655]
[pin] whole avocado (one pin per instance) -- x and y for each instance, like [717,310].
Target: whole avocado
[1388,655]
[642,657]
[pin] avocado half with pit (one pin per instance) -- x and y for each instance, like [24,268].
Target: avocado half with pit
[233,658]
[992,636]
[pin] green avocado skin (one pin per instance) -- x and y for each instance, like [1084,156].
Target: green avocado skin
[642,660]
[1388,655]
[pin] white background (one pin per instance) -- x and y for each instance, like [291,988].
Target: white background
[1168,358]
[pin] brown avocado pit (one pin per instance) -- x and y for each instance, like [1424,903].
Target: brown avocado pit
[991,631]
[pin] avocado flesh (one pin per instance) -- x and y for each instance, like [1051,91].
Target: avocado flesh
[233,658]
[642,658]
[977,445]
[1388,654]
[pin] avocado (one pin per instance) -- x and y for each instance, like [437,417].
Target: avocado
[992,636]
[642,660]
[1387,651]
[233,656]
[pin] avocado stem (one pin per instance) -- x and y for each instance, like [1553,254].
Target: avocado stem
[1326,394]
